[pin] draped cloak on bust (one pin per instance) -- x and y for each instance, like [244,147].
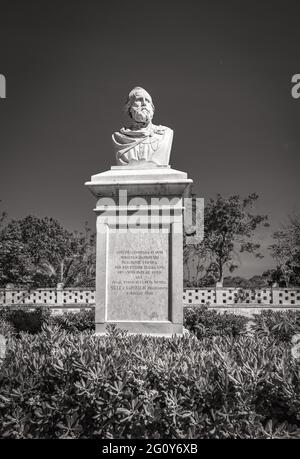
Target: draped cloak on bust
[148,144]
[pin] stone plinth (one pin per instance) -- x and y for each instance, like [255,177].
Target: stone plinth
[139,267]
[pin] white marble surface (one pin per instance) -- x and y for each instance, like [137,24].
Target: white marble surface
[142,140]
[155,180]
[155,307]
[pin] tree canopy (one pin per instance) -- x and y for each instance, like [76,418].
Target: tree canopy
[39,252]
[286,252]
[229,226]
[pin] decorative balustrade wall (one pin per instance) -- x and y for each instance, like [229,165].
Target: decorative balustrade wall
[214,296]
[222,296]
[47,296]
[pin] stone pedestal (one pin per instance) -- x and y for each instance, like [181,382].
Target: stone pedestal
[139,268]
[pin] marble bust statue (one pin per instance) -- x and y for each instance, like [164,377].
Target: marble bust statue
[142,143]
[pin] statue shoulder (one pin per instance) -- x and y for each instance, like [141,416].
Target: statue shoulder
[162,129]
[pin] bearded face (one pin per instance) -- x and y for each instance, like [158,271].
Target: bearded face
[141,109]
[142,114]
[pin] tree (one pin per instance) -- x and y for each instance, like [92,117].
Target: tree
[236,281]
[2,218]
[195,254]
[286,252]
[39,252]
[255,282]
[76,269]
[25,243]
[228,228]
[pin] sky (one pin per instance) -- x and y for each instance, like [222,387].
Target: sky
[219,74]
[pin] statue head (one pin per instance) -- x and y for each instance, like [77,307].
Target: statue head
[139,106]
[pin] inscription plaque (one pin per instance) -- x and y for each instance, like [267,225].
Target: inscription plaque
[138,276]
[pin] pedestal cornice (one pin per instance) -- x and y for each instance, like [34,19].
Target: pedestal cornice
[159,180]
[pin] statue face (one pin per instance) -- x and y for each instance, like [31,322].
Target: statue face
[142,108]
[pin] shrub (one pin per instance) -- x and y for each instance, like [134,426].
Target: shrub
[72,322]
[26,321]
[279,325]
[57,384]
[206,323]
[23,320]
[203,322]
[6,329]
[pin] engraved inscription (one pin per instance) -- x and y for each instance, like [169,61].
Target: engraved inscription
[138,277]
[143,265]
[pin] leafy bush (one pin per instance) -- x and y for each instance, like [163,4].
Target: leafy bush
[203,322]
[206,323]
[6,329]
[25,321]
[22,320]
[57,384]
[72,322]
[280,325]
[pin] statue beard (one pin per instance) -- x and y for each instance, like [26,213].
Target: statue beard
[142,115]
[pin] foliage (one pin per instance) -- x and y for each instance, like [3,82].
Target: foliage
[286,253]
[6,328]
[76,322]
[16,266]
[279,325]
[63,385]
[3,216]
[39,252]
[78,268]
[26,243]
[255,282]
[203,322]
[229,225]
[23,320]
[199,320]
[207,323]
[195,254]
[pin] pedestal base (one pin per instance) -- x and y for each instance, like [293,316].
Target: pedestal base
[159,329]
[139,269]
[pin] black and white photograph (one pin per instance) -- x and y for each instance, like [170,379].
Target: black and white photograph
[149,224]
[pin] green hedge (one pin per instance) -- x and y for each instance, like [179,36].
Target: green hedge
[57,384]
